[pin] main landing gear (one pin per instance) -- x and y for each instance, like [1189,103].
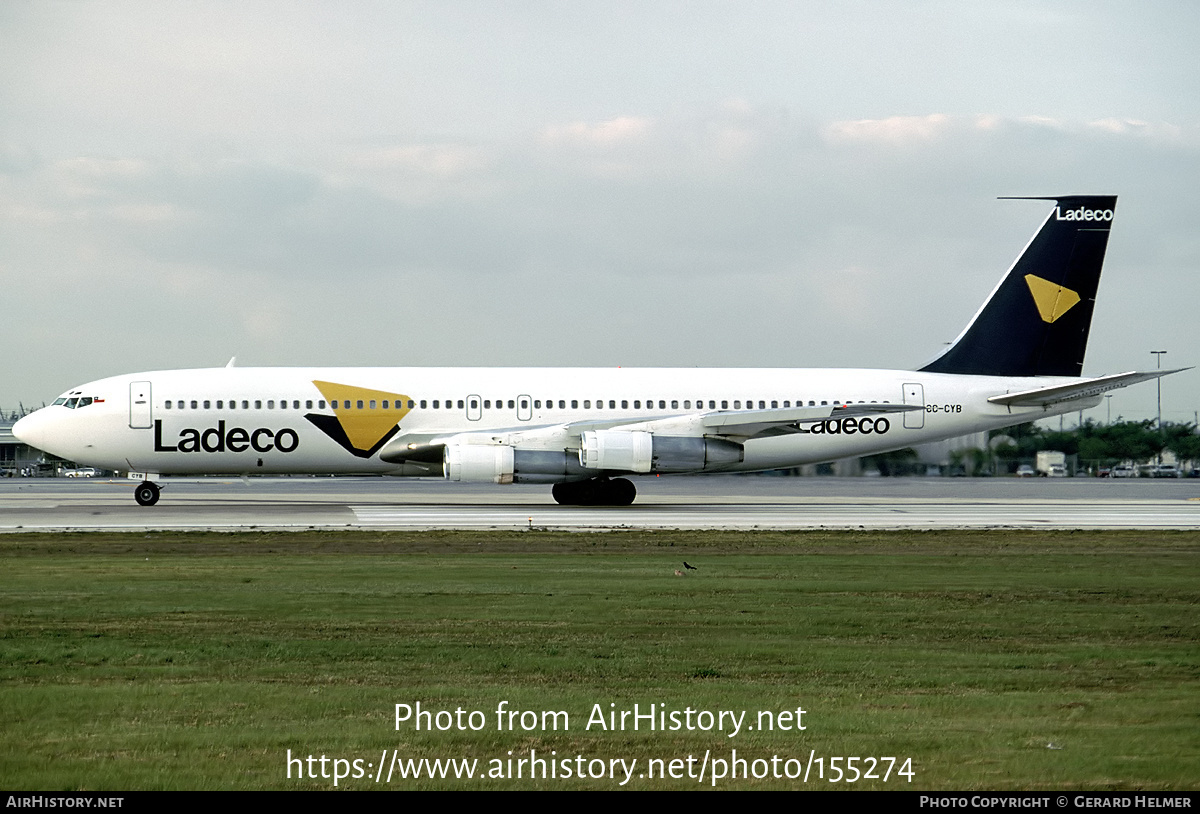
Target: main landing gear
[595,492]
[146,493]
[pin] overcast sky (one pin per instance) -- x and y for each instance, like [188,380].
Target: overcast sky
[774,184]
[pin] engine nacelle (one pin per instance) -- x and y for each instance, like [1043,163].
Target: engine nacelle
[617,449]
[548,466]
[496,463]
[478,463]
[695,454]
[625,451]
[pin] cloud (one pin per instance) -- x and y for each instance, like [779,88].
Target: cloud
[604,134]
[745,233]
[892,130]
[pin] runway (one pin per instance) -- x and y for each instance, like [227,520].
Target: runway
[718,502]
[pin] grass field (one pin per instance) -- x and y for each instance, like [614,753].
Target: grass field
[990,660]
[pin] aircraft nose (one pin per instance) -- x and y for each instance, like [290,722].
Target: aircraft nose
[33,429]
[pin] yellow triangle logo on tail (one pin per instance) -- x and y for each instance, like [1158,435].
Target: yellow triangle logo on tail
[1052,300]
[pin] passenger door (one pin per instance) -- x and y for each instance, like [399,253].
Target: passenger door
[141,414]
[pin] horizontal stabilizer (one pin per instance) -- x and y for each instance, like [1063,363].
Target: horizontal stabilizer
[1084,388]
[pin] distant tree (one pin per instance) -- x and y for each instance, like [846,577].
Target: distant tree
[1182,440]
[892,464]
[1121,441]
[973,460]
[1066,441]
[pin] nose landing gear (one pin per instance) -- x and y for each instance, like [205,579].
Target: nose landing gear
[146,493]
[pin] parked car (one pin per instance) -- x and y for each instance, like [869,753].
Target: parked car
[1164,471]
[1025,471]
[82,472]
[1124,471]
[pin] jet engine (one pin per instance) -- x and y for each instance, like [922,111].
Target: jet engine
[625,451]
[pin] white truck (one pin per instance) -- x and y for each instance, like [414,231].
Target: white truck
[1051,463]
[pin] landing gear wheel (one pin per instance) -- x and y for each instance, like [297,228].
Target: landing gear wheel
[146,493]
[563,494]
[595,492]
[621,492]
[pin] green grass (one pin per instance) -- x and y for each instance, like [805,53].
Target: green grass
[196,661]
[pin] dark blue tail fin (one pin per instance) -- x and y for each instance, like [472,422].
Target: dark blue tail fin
[1036,321]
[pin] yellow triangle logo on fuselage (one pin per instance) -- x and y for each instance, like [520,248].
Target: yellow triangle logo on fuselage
[1052,300]
[366,416]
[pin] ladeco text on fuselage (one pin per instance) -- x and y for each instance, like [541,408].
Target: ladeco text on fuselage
[848,426]
[235,439]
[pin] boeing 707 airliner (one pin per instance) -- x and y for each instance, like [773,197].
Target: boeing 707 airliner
[585,430]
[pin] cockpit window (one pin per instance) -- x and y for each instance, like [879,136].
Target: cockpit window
[70,405]
[85,401]
[59,401]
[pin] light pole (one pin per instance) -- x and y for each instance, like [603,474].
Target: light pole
[1108,404]
[1158,355]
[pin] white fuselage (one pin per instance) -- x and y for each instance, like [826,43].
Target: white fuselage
[278,420]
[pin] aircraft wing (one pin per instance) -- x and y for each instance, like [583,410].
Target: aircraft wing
[428,447]
[1084,388]
[765,423]
[737,425]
